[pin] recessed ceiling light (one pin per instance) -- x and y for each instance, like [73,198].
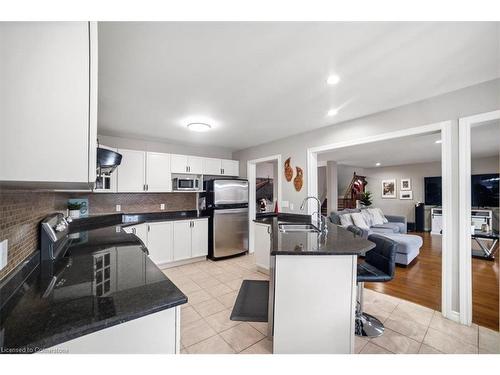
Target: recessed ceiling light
[199,127]
[377,164]
[439,141]
[332,112]
[333,79]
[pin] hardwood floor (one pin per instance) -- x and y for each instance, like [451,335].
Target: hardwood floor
[421,283]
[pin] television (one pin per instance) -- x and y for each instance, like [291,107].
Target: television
[484,190]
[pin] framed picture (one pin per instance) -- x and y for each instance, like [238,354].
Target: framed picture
[406,194]
[388,188]
[405,184]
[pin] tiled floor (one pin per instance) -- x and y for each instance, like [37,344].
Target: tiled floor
[212,288]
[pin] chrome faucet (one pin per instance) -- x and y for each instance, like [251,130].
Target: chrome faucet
[321,220]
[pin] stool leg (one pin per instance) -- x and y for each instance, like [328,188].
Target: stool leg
[365,324]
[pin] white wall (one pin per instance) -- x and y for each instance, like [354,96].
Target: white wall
[170,148]
[471,100]
[265,170]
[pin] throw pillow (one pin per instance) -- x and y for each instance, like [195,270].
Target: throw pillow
[368,217]
[376,216]
[359,221]
[382,214]
[345,220]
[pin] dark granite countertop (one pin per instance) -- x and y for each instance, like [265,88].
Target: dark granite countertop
[338,241]
[105,278]
[283,217]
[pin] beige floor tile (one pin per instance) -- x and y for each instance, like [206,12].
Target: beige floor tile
[209,307]
[226,276]
[208,282]
[174,271]
[447,343]
[262,327]
[234,284]
[359,344]
[381,315]
[241,336]
[228,299]
[189,269]
[396,343]
[215,271]
[426,349]
[451,328]
[489,340]
[411,311]
[199,277]
[380,301]
[187,286]
[184,351]
[264,346]
[195,332]
[198,296]
[406,327]
[257,276]
[212,345]
[220,321]
[189,315]
[371,348]
[218,289]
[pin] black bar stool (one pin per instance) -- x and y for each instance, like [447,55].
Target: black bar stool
[378,266]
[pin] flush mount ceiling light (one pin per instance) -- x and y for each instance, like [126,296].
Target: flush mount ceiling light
[332,112]
[439,141]
[377,164]
[199,126]
[333,79]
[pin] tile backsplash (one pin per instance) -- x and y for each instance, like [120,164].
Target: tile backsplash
[22,211]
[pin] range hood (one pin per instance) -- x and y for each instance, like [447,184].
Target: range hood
[107,161]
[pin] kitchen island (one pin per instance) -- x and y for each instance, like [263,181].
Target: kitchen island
[312,296]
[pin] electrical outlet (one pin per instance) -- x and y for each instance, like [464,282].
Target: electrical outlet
[4,250]
[118,207]
[162,206]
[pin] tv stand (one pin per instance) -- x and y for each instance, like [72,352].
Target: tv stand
[478,218]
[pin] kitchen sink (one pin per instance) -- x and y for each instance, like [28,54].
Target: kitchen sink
[297,228]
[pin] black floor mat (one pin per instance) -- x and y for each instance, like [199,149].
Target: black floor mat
[252,301]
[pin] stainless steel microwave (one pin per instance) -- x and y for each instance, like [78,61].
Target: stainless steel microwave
[186,184]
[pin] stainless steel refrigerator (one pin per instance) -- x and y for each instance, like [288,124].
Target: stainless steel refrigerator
[226,203]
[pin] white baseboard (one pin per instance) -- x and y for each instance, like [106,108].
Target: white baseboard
[181,262]
[453,315]
[262,270]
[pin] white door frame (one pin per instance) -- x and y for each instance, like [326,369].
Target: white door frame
[251,176]
[465,125]
[446,166]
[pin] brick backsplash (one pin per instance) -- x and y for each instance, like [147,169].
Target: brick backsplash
[22,211]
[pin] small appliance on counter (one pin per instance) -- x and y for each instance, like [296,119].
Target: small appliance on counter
[226,205]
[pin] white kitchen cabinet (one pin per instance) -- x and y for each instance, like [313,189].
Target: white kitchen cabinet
[262,245]
[160,242]
[186,164]
[48,95]
[199,238]
[230,167]
[131,173]
[212,166]
[182,240]
[158,177]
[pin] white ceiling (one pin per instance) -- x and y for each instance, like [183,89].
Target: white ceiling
[261,81]
[485,142]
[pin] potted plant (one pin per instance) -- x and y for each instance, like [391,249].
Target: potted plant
[74,209]
[366,199]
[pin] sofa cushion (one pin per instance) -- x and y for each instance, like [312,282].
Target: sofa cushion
[377,218]
[394,227]
[407,243]
[359,220]
[345,220]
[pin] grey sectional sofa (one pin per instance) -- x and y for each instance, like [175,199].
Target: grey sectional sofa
[408,245]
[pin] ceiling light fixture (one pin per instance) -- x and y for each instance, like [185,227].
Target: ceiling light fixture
[333,79]
[199,127]
[377,164]
[439,141]
[332,112]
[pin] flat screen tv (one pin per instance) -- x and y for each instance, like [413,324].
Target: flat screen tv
[484,190]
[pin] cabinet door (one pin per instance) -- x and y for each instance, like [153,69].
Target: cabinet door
[131,171]
[160,242]
[182,239]
[195,164]
[179,163]
[262,245]
[141,231]
[230,167]
[158,178]
[211,166]
[44,106]
[199,238]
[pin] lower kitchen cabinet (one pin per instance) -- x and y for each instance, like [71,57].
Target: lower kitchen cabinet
[159,244]
[182,240]
[262,245]
[199,238]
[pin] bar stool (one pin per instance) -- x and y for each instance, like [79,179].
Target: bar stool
[378,266]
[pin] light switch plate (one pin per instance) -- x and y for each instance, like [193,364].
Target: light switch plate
[4,250]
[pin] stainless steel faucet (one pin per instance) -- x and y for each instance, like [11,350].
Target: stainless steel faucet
[321,220]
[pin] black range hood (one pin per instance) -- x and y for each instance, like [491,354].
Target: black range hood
[107,161]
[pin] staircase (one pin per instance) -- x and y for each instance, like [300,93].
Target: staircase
[353,192]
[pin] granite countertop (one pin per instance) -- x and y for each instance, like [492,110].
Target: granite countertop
[105,278]
[283,217]
[338,241]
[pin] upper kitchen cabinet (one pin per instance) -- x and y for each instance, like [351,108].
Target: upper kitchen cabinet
[230,167]
[158,177]
[48,104]
[220,167]
[186,164]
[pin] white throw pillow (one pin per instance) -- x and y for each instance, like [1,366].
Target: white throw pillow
[367,216]
[359,220]
[345,220]
[382,214]
[377,218]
